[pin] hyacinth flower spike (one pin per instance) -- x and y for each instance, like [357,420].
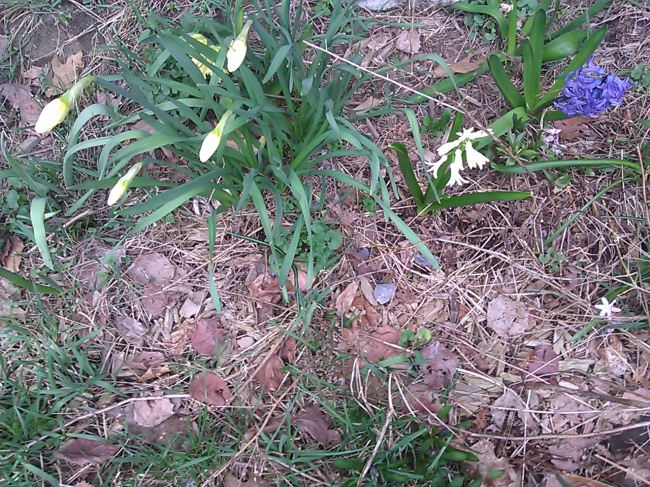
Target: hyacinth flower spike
[55,111]
[590,90]
[463,144]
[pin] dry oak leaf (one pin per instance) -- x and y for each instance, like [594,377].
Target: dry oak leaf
[11,254]
[488,462]
[573,128]
[152,412]
[84,451]
[381,344]
[131,329]
[175,428]
[207,337]
[408,41]
[21,98]
[153,268]
[270,375]
[210,388]
[345,299]
[508,318]
[231,481]
[313,422]
[64,74]
[440,366]
[465,65]
[544,361]
[144,361]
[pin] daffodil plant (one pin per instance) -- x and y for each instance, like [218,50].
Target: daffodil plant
[219,111]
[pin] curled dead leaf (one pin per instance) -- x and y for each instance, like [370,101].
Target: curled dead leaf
[408,41]
[465,65]
[210,388]
[270,375]
[207,337]
[440,367]
[144,361]
[507,317]
[314,423]
[85,451]
[131,329]
[152,412]
[345,299]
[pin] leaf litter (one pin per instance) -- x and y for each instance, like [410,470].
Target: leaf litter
[210,388]
[86,451]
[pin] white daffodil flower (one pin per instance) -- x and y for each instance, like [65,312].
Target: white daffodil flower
[213,139]
[237,50]
[55,111]
[607,309]
[123,184]
[461,145]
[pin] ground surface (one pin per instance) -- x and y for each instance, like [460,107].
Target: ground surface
[265,389]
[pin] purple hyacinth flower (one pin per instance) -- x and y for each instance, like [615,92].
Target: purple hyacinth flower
[590,90]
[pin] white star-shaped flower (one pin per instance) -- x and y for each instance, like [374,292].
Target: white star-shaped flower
[607,309]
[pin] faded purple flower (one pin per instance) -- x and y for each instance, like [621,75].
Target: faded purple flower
[590,90]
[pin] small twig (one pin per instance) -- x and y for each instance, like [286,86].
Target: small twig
[627,471]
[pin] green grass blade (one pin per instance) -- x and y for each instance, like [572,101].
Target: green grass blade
[20,281]
[478,197]
[212,233]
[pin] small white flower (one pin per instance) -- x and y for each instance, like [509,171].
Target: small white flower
[474,157]
[505,8]
[607,309]
[463,144]
[455,168]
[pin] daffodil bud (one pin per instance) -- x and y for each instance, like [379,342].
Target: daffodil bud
[55,111]
[213,139]
[237,50]
[123,184]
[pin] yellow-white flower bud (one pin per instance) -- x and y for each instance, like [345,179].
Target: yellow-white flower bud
[123,184]
[55,111]
[213,139]
[237,50]
[52,115]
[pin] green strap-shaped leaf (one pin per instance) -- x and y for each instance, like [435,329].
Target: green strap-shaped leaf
[20,281]
[37,216]
[502,80]
[279,58]
[409,175]
[532,76]
[476,198]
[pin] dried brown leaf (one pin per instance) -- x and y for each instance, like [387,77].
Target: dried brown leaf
[545,361]
[288,350]
[153,269]
[16,94]
[381,344]
[144,361]
[207,337]
[270,375]
[231,481]
[84,451]
[408,41]
[174,429]
[314,423]
[508,318]
[489,462]
[11,254]
[131,329]
[465,65]
[152,412]
[83,484]
[64,74]
[573,128]
[180,337]
[345,299]
[613,358]
[440,367]
[210,388]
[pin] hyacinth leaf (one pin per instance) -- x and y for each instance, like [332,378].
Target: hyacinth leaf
[537,38]
[564,46]
[406,168]
[502,80]
[586,16]
[477,198]
[512,29]
[446,85]
[565,164]
[532,76]
[545,6]
[580,58]
[491,10]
